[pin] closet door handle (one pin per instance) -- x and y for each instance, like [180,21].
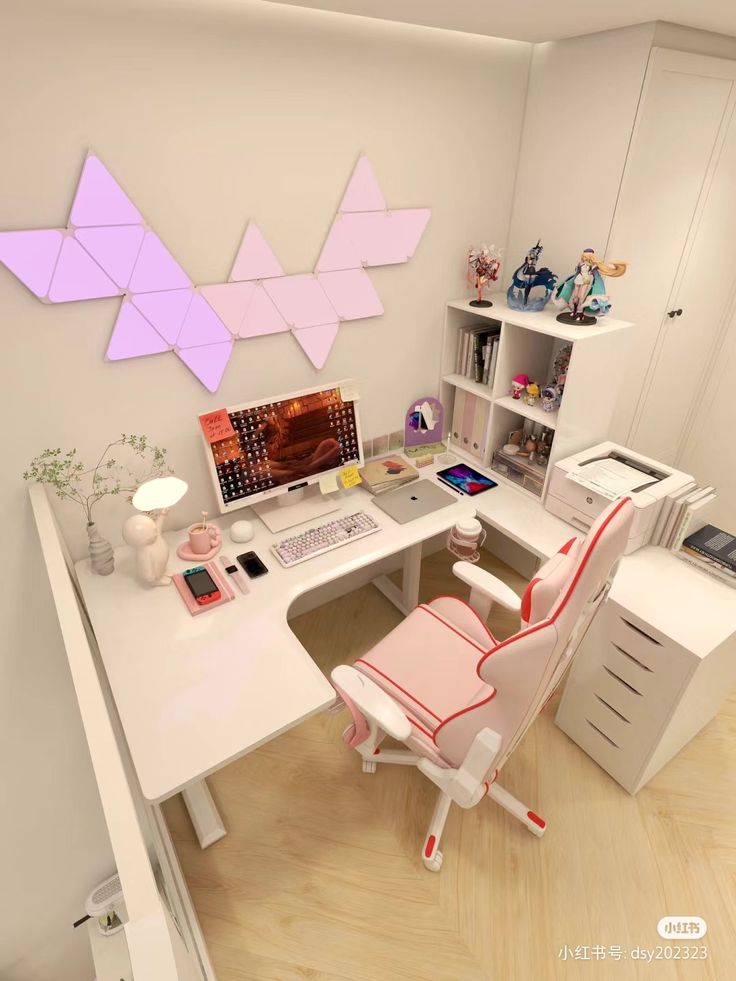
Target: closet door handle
[674,313]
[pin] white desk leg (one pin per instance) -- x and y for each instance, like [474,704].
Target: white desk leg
[406,598]
[204,814]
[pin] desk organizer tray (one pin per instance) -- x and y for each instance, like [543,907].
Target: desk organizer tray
[226,592]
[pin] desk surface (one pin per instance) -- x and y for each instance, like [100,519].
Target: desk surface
[194,693]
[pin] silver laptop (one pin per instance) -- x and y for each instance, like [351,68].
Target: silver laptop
[414,500]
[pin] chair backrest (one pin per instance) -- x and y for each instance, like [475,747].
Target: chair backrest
[526,668]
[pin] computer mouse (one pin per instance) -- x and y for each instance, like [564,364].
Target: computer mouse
[241,531]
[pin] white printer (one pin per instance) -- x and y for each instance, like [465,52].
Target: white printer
[583,485]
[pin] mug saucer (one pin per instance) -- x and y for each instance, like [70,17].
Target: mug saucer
[185,552]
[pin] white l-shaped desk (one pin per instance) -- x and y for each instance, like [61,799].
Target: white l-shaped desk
[195,693]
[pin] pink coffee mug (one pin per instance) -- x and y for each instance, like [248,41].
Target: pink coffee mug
[203,540]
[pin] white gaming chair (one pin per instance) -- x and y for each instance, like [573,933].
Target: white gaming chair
[458,699]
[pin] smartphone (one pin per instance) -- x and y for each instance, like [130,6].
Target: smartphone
[252,565]
[202,586]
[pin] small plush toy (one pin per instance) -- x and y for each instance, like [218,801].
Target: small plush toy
[550,398]
[518,384]
[532,393]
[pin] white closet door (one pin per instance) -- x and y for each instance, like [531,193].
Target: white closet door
[682,357]
[685,100]
[709,451]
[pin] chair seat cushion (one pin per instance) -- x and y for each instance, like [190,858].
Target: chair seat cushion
[428,664]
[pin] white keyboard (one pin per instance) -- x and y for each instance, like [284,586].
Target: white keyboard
[323,538]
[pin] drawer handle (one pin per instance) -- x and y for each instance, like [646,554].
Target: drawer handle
[631,657]
[601,733]
[615,711]
[640,631]
[621,680]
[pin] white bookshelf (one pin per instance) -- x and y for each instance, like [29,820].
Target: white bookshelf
[529,343]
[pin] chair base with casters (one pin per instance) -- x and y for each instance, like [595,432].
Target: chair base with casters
[458,699]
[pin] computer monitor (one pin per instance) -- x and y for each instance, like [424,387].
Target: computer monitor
[282,444]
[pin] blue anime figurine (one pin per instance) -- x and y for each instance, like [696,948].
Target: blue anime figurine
[526,278]
[584,292]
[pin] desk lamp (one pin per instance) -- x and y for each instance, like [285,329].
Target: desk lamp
[143,531]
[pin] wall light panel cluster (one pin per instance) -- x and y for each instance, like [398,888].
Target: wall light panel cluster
[108,249]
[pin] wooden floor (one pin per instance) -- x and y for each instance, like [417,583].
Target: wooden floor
[320,877]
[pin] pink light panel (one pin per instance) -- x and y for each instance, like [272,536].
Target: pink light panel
[108,249]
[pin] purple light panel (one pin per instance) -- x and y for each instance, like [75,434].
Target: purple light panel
[316,342]
[100,200]
[351,293]
[300,300]
[255,258]
[114,248]
[363,192]
[108,249]
[133,336]
[78,277]
[165,311]
[31,256]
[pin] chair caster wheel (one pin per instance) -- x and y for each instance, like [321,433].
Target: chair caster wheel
[369,766]
[434,864]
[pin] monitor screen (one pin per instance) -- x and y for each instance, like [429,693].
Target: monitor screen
[290,440]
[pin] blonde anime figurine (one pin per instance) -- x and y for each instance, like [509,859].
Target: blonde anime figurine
[584,292]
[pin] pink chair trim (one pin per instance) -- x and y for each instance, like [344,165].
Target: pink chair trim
[421,728]
[465,603]
[526,601]
[449,626]
[571,587]
[362,660]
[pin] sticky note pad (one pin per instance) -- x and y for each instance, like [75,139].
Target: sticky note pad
[350,476]
[349,392]
[328,483]
[216,425]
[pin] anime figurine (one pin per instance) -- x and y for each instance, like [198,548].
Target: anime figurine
[518,384]
[584,292]
[526,278]
[532,393]
[483,268]
[550,398]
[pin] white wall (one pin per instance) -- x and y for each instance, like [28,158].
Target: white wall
[581,106]
[206,119]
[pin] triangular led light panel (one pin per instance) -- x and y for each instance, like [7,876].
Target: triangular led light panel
[100,200]
[339,250]
[208,362]
[31,256]
[229,301]
[262,317]
[114,247]
[133,336]
[166,310]
[316,342]
[363,192]
[255,258]
[156,268]
[78,277]
[201,325]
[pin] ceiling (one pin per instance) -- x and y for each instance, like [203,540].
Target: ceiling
[537,20]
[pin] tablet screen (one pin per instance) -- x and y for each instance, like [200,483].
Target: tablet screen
[465,479]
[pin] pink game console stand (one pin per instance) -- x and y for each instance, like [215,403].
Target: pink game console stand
[226,592]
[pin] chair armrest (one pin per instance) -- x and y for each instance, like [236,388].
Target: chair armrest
[373,702]
[487,584]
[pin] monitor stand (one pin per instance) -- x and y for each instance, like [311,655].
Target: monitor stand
[295,508]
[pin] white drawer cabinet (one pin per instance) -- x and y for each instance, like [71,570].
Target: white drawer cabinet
[654,667]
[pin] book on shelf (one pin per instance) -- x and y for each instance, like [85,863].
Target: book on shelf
[714,545]
[475,351]
[668,514]
[690,511]
[713,569]
[386,473]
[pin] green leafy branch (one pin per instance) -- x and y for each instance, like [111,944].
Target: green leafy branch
[73,481]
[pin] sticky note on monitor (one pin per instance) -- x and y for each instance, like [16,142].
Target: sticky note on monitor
[328,483]
[349,477]
[216,425]
[349,392]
